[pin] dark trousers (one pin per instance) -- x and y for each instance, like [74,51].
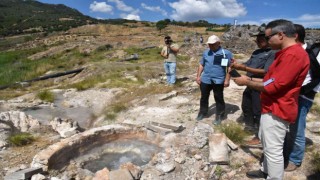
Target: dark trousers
[251,106]
[218,97]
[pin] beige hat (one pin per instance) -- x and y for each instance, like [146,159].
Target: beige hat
[260,31]
[213,39]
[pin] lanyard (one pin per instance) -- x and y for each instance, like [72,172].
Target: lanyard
[224,55]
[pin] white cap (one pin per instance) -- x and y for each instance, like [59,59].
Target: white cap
[213,39]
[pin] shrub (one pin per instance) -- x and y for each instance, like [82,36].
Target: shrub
[21,139]
[105,47]
[233,131]
[46,96]
[112,112]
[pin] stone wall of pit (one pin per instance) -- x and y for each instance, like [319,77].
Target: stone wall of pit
[58,155]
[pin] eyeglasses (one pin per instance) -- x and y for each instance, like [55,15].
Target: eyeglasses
[270,36]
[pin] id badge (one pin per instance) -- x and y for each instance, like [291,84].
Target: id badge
[268,82]
[224,62]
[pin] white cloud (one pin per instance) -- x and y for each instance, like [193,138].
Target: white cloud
[191,10]
[122,6]
[309,17]
[307,20]
[100,7]
[131,17]
[154,9]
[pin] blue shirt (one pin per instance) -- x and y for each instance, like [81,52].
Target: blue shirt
[213,72]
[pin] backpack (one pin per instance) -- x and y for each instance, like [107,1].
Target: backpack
[313,52]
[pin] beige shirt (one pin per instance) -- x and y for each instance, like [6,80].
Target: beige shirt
[172,56]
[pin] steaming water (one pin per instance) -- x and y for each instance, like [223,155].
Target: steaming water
[46,113]
[113,154]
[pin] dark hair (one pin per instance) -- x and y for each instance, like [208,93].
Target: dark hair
[167,37]
[282,25]
[301,32]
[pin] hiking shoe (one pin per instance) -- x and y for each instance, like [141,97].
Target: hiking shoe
[218,119]
[200,117]
[216,122]
[256,174]
[254,142]
[290,167]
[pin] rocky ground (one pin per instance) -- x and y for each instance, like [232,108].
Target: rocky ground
[178,105]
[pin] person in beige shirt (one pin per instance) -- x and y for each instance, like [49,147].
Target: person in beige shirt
[169,52]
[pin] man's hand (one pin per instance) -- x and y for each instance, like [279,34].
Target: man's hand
[241,81]
[226,83]
[198,80]
[237,66]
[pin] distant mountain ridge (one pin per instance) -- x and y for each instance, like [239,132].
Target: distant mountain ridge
[25,16]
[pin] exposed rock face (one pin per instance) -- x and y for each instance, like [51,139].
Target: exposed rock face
[102,174]
[13,121]
[199,136]
[218,148]
[238,40]
[65,127]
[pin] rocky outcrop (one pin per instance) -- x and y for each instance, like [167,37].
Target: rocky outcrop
[15,121]
[238,39]
[65,127]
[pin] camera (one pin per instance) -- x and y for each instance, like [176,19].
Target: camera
[168,41]
[234,73]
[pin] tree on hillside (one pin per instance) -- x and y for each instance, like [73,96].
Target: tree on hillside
[161,25]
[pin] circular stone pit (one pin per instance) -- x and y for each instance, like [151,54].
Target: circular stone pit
[107,146]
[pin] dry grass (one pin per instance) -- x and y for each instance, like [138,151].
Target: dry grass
[21,139]
[233,131]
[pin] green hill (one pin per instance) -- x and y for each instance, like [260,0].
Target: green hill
[29,16]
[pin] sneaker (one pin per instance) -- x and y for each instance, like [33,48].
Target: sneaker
[290,167]
[254,142]
[216,122]
[200,117]
[256,174]
[218,119]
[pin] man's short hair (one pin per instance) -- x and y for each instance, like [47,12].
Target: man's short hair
[301,32]
[167,37]
[282,25]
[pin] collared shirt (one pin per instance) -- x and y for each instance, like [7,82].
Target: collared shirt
[213,71]
[283,82]
[260,59]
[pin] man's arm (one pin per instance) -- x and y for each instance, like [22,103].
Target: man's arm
[174,48]
[227,79]
[243,67]
[246,81]
[200,69]
[164,53]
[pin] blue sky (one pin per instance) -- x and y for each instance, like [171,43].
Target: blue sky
[305,12]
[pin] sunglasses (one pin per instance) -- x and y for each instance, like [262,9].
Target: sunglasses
[270,36]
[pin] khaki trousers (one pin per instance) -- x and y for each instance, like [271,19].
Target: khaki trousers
[272,133]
